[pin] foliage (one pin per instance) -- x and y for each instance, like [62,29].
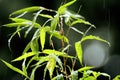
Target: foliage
[54,60]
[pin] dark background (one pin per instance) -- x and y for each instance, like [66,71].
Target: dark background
[102,13]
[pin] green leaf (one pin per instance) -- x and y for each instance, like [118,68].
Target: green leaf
[117,77]
[62,9]
[24,56]
[22,20]
[54,22]
[79,51]
[57,35]
[14,68]
[81,21]
[28,9]
[51,65]
[46,16]
[17,24]
[34,45]
[42,37]
[57,53]
[32,76]
[58,77]
[74,75]
[41,60]
[85,68]
[90,37]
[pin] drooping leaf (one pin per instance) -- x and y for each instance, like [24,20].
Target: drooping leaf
[79,51]
[85,68]
[24,56]
[54,22]
[81,21]
[42,37]
[90,37]
[14,68]
[74,75]
[51,65]
[28,9]
[58,77]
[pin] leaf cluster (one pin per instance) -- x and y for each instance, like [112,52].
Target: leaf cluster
[54,26]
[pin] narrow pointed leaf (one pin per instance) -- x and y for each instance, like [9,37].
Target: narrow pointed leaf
[21,20]
[85,68]
[58,53]
[24,56]
[14,68]
[42,37]
[28,9]
[34,45]
[79,51]
[54,22]
[46,16]
[80,21]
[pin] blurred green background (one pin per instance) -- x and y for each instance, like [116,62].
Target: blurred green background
[104,14]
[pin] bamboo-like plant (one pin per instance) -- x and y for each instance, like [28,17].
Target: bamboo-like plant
[53,60]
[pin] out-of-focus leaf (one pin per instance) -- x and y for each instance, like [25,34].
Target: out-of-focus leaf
[85,68]
[79,51]
[62,9]
[28,9]
[42,37]
[90,37]
[117,77]
[24,56]
[74,75]
[14,68]
[58,77]
[46,16]
[54,22]
[51,65]
[73,28]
